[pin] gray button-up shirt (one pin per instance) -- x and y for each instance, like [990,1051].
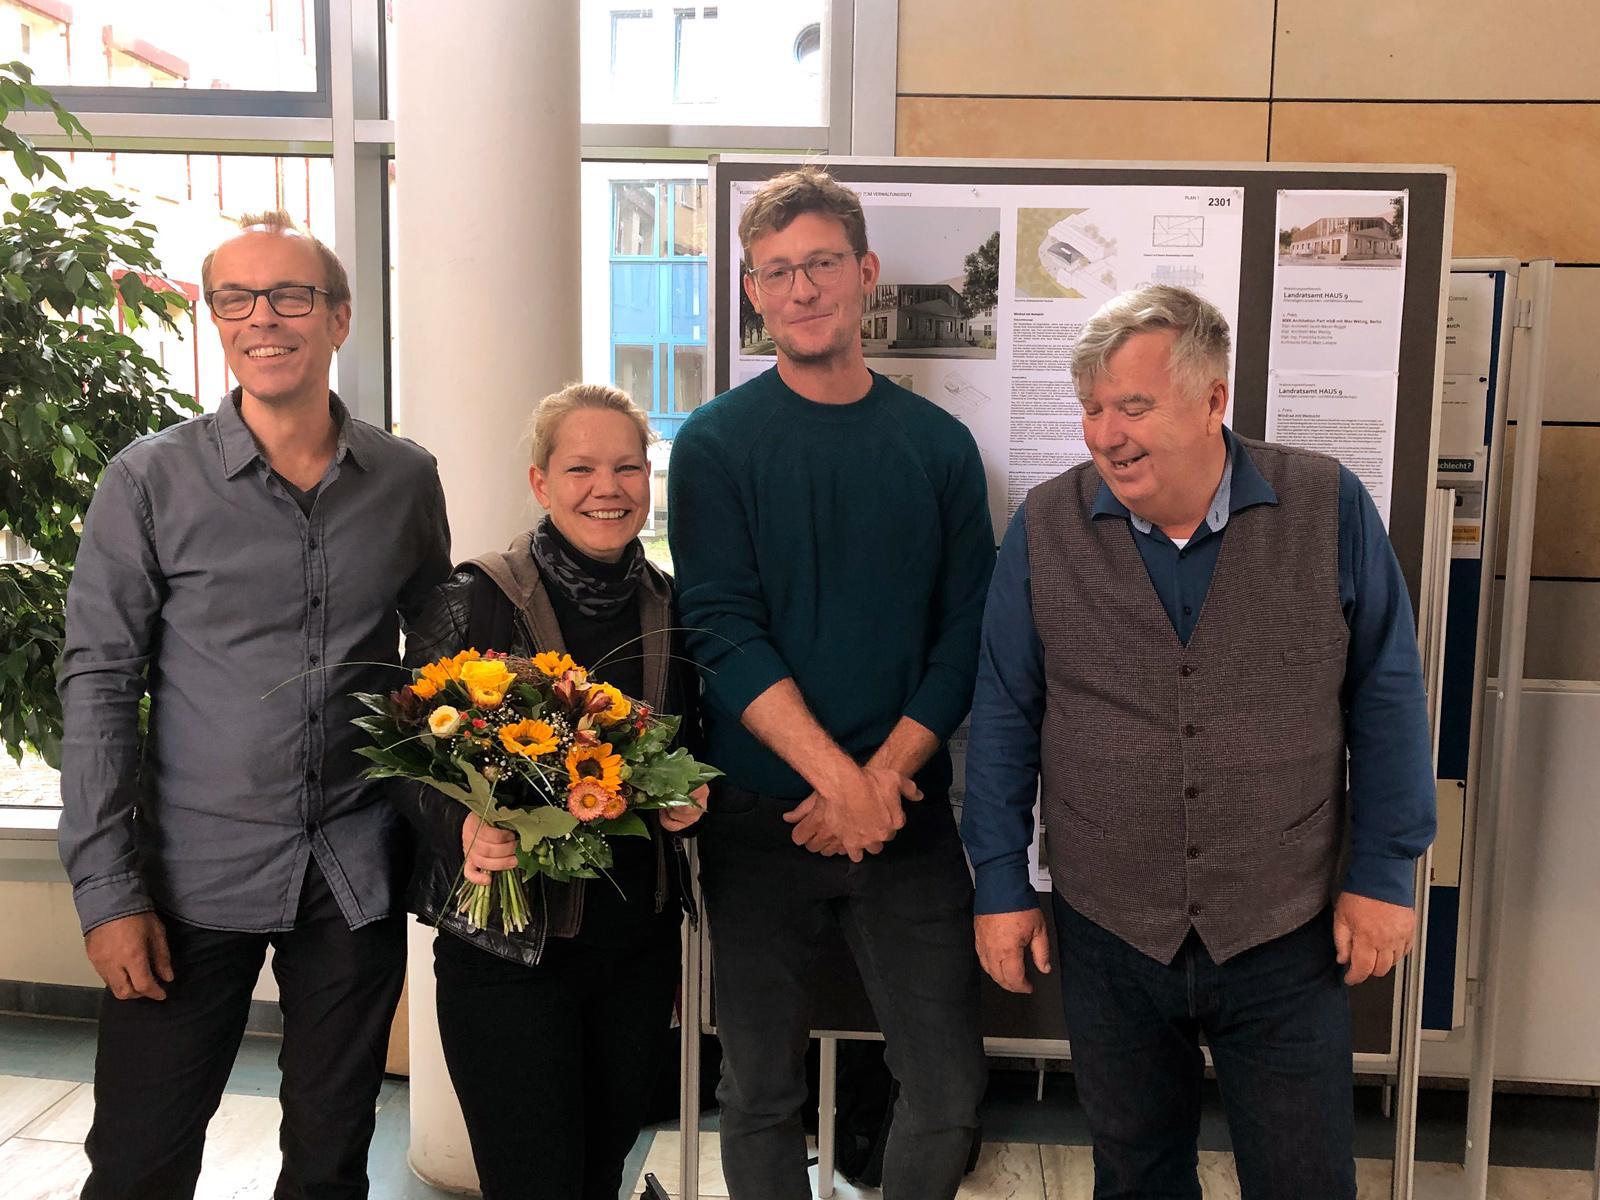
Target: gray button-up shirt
[249,623]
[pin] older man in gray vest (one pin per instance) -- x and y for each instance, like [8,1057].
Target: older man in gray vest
[1199,649]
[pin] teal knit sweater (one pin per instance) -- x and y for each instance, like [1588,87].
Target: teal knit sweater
[845,546]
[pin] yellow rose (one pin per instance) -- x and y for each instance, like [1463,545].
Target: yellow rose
[487,681]
[444,721]
[619,707]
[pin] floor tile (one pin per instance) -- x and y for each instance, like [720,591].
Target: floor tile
[1005,1171]
[663,1162]
[48,1047]
[1068,1172]
[1218,1179]
[67,1120]
[39,1170]
[22,1099]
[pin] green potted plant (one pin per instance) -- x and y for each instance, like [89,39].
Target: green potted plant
[78,273]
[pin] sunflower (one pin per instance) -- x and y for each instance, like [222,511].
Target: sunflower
[619,707]
[528,738]
[553,664]
[588,801]
[595,763]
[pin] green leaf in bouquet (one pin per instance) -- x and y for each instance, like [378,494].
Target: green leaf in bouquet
[534,825]
[381,728]
[671,775]
[477,795]
[376,701]
[627,825]
[655,739]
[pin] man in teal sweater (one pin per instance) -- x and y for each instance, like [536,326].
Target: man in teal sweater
[831,535]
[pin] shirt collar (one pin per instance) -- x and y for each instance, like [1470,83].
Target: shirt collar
[238,447]
[1242,486]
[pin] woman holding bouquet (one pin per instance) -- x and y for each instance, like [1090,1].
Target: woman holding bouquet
[552,1034]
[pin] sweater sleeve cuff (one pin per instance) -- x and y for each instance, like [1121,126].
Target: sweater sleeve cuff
[744,674]
[939,707]
[1003,886]
[1379,878]
[102,900]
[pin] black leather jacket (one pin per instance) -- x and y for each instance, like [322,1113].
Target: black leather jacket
[555,909]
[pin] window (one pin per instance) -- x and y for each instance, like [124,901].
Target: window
[737,62]
[253,45]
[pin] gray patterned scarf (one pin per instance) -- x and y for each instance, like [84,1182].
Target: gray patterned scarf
[597,589]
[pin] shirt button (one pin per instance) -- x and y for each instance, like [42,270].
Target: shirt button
[311,543]
[313,717]
[315,659]
[1186,670]
[1194,852]
[1187,610]
[1188,730]
[311,776]
[1191,792]
[1194,910]
[316,602]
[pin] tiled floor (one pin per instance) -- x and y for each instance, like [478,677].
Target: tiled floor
[1543,1144]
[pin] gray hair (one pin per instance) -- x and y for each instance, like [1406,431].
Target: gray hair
[1199,355]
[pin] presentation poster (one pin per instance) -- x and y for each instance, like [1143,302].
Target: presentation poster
[1334,361]
[1465,405]
[984,290]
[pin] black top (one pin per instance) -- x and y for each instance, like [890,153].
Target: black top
[610,919]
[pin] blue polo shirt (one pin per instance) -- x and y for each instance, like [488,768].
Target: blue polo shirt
[1386,718]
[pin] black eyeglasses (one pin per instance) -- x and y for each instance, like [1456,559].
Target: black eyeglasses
[288,300]
[777,279]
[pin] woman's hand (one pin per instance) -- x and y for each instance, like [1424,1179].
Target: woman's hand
[487,849]
[681,816]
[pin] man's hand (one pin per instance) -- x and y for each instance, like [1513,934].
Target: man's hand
[131,955]
[861,815]
[1003,939]
[680,816]
[1370,935]
[487,849]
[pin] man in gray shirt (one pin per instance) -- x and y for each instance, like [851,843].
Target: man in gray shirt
[248,570]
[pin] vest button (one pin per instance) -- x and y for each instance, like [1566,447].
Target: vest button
[1190,792]
[1194,851]
[1194,910]
[1186,670]
[1188,731]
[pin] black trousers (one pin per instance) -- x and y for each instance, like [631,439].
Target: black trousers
[907,916]
[162,1065]
[554,1065]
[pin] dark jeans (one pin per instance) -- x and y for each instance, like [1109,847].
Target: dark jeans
[554,1065]
[1277,1019]
[907,917]
[162,1065]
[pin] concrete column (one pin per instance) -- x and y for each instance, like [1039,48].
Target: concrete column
[487,322]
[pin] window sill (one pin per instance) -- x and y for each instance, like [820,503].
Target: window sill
[28,845]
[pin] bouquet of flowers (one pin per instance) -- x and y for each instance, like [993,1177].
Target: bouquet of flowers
[537,747]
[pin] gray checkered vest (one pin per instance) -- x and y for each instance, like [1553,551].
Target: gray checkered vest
[1199,785]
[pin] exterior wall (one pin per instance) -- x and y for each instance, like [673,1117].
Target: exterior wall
[1512,102]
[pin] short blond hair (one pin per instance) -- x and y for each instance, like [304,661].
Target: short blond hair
[558,406]
[337,281]
[793,194]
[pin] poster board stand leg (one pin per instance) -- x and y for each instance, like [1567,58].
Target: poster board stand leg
[827,1099]
[691,1022]
[1405,1124]
[1508,717]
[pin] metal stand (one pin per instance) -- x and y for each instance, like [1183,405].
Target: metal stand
[1508,712]
[827,1101]
[689,1046]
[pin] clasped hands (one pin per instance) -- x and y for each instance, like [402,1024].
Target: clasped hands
[856,816]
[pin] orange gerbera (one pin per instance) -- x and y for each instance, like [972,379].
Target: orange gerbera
[425,689]
[528,738]
[595,763]
[553,664]
[588,801]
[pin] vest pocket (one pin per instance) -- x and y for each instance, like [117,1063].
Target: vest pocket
[1316,651]
[1311,823]
[1075,822]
